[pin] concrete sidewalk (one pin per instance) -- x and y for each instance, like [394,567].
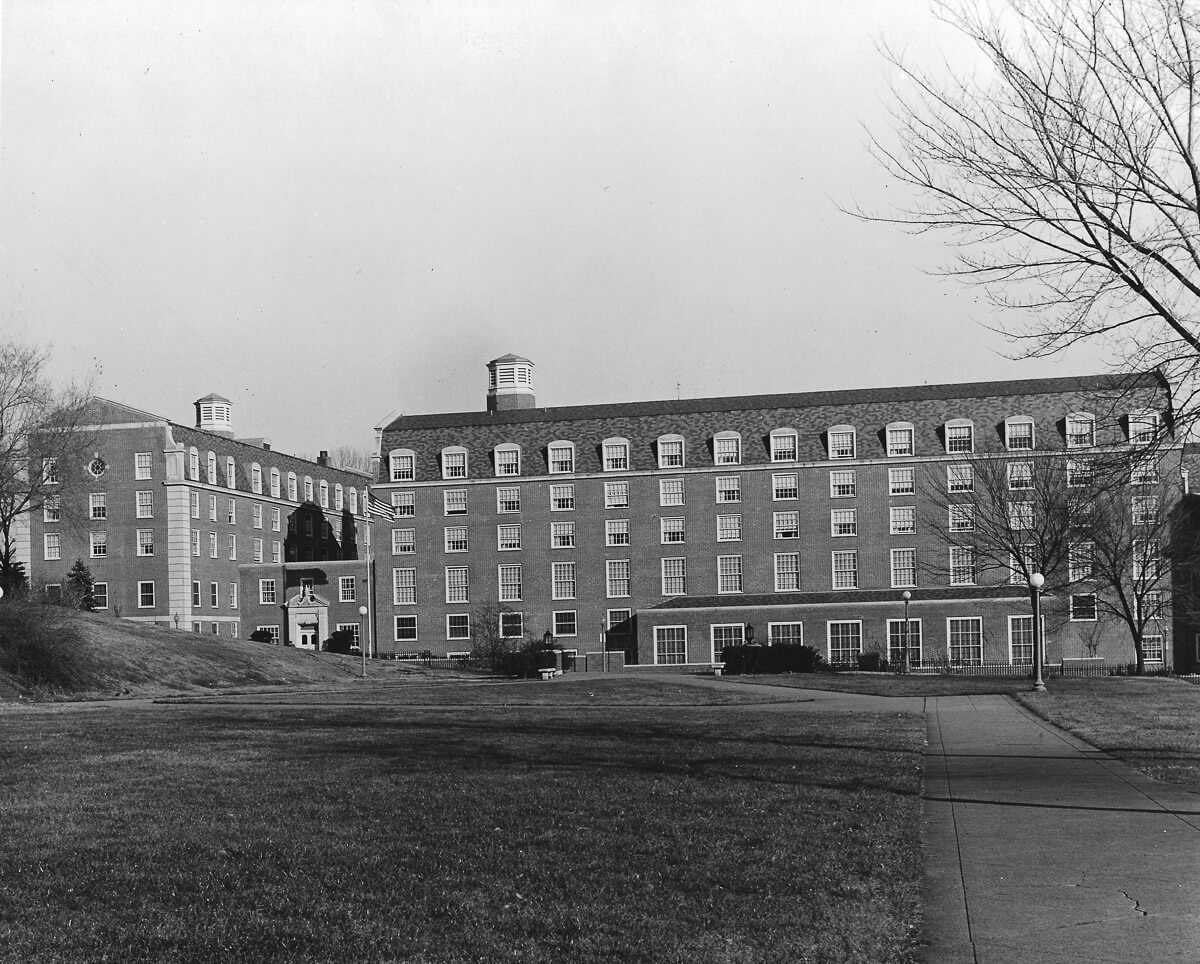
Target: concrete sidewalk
[1043,849]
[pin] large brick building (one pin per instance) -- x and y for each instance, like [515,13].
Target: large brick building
[669,529]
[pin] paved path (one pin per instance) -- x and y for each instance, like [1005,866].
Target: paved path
[1042,849]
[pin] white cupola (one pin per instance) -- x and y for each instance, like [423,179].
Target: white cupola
[510,384]
[214,413]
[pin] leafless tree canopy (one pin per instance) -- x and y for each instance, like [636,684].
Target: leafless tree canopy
[1067,170]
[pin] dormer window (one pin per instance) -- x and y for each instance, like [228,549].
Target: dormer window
[727,448]
[354,501]
[212,468]
[454,462]
[960,435]
[256,478]
[784,445]
[324,494]
[230,474]
[616,454]
[899,439]
[339,499]
[292,492]
[507,458]
[275,483]
[308,489]
[1018,434]
[561,456]
[402,465]
[670,451]
[841,442]
[1143,427]
[193,465]
[1081,430]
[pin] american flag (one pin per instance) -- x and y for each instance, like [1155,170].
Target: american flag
[376,506]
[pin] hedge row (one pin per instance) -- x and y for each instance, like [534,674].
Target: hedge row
[787,658]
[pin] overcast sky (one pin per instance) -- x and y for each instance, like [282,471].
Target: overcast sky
[329,211]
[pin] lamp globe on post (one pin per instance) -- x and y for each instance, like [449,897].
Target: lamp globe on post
[1036,582]
[362,638]
[906,596]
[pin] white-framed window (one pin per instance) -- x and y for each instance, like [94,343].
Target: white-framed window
[841,442]
[674,577]
[275,490]
[256,515]
[214,595]
[339,498]
[670,645]
[145,542]
[616,495]
[508,537]
[231,511]
[508,498]
[616,578]
[292,492]
[962,566]
[404,541]
[211,468]
[230,473]
[670,451]
[454,462]
[843,483]
[1080,556]
[1020,476]
[98,505]
[1083,607]
[257,547]
[727,448]
[670,491]
[786,525]
[729,488]
[784,486]
[1150,605]
[1020,516]
[256,478]
[98,540]
[904,635]
[197,598]
[562,497]
[143,463]
[787,571]
[843,522]
[402,465]
[347,589]
[51,509]
[509,579]
[565,622]
[52,545]
[671,530]
[146,594]
[1152,647]
[212,508]
[272,631]
[562,580]
[212,545]
[616,532]
[899,439]
[962,517]
[725,634]
[785,634]
[454,502]
[845,569]
[1143,427]
[1081,430]
[729,527]
[277,551]
[844,639]
[902,520]
[144,504]
[960,478]
[232,546]
[455,538]
[405,629]
[1144,510]
[785,445]
[960,435]
[193,465]
[354,500]
[308,489]
[1022,564]
[904,568]
[507,458]
[562,535]
[729,574]
[964,638]
[902,481]
[1080,472]
[560,456]
[404,586]
[275,517]
[1145,473]
[323,490]
[195,500]
[50,474]
[616,454]
[1020,640]
[1147,559]
[100,594]
[1018,433]
[458,625]
[619,622]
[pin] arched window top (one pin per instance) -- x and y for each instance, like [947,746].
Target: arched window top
[256,478]
[402,465]
[339,498]
[1018,433]
[292,492]
[615,454]
[843,441]
[354,501]
[960,436]
[560,456]
[670,451]
[900,439]
[324,489]
[507,459]
[230,473]
[784,445]
[275,483]
[454,462]
[212,468]
[194,464]
[1080,430]
[727,448]
[308,488]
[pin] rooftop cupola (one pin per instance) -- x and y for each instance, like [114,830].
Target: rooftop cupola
[510,384]
[214,414]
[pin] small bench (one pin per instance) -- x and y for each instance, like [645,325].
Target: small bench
[549,672]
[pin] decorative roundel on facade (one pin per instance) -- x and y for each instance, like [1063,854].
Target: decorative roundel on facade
[97,467]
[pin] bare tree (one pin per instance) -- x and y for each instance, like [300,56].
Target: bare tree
[490,641]
[43,445]
[1066,170]
[349,457]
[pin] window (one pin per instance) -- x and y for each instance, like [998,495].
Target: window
[843,483]
[52,545]
[1145,510]
[1020,640]
[785,634]
[99,543]
[212,468]
[729,574]
[1143,427]
[965,638]
[729,488]
[508,459]
[145,505]
[561,456]
[727,448]
[1147,559]
[50,471]
[272,631]
[308,489]
[670,452]
[194,465]
[404,586]
[670,645]
[402,465]
[51,509]
[1144,474]
[845,569]
[562,497]
[616,454]
[962,517]
[405,629]
[616,495]
[354,500]
[1020,476]
[404,541]
[902,482]
[231,511]
[786,486]
[787,571]
[671,530]
[458,626]
[1081,430]
[845,641]
[339,498]
[274,518]
[904,567]
[562,535]
[508,537]
[962,566]
[619,622]
[212,545]
[212,508]
[562,578]
[232,547]
[324,490]
[1083,607]
[276,551]
[256,478]
[899,439]
[1152,648]
[903,520]
[510,583]
[257,546]
[565,623]
[454,462]
[960,436]
[904,635]
[674,577]
[145,542]
[512,625]
[1022,566]
[616,532]
[616,578]
[1018,434]
[347,591]
[456,538]
[843,522]
[275,483]
[508,499]
[729,528]
[142,465]
[230,474]
[1080,472]
[670,492]
[195,505]
[100,594]
[726,634]
[1151,605]
[214,594]
[146,595]
[256,514]
[1080,561]
[1020,516]
[454,502]
[841,442]
[98,505]
[292,493]
[960,478]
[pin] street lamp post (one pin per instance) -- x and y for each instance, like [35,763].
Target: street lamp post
[1036,581]
[906,596]
[362,638]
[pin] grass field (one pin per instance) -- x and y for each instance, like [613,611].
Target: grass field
[385,824]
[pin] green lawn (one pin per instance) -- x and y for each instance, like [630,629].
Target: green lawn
[388,830]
